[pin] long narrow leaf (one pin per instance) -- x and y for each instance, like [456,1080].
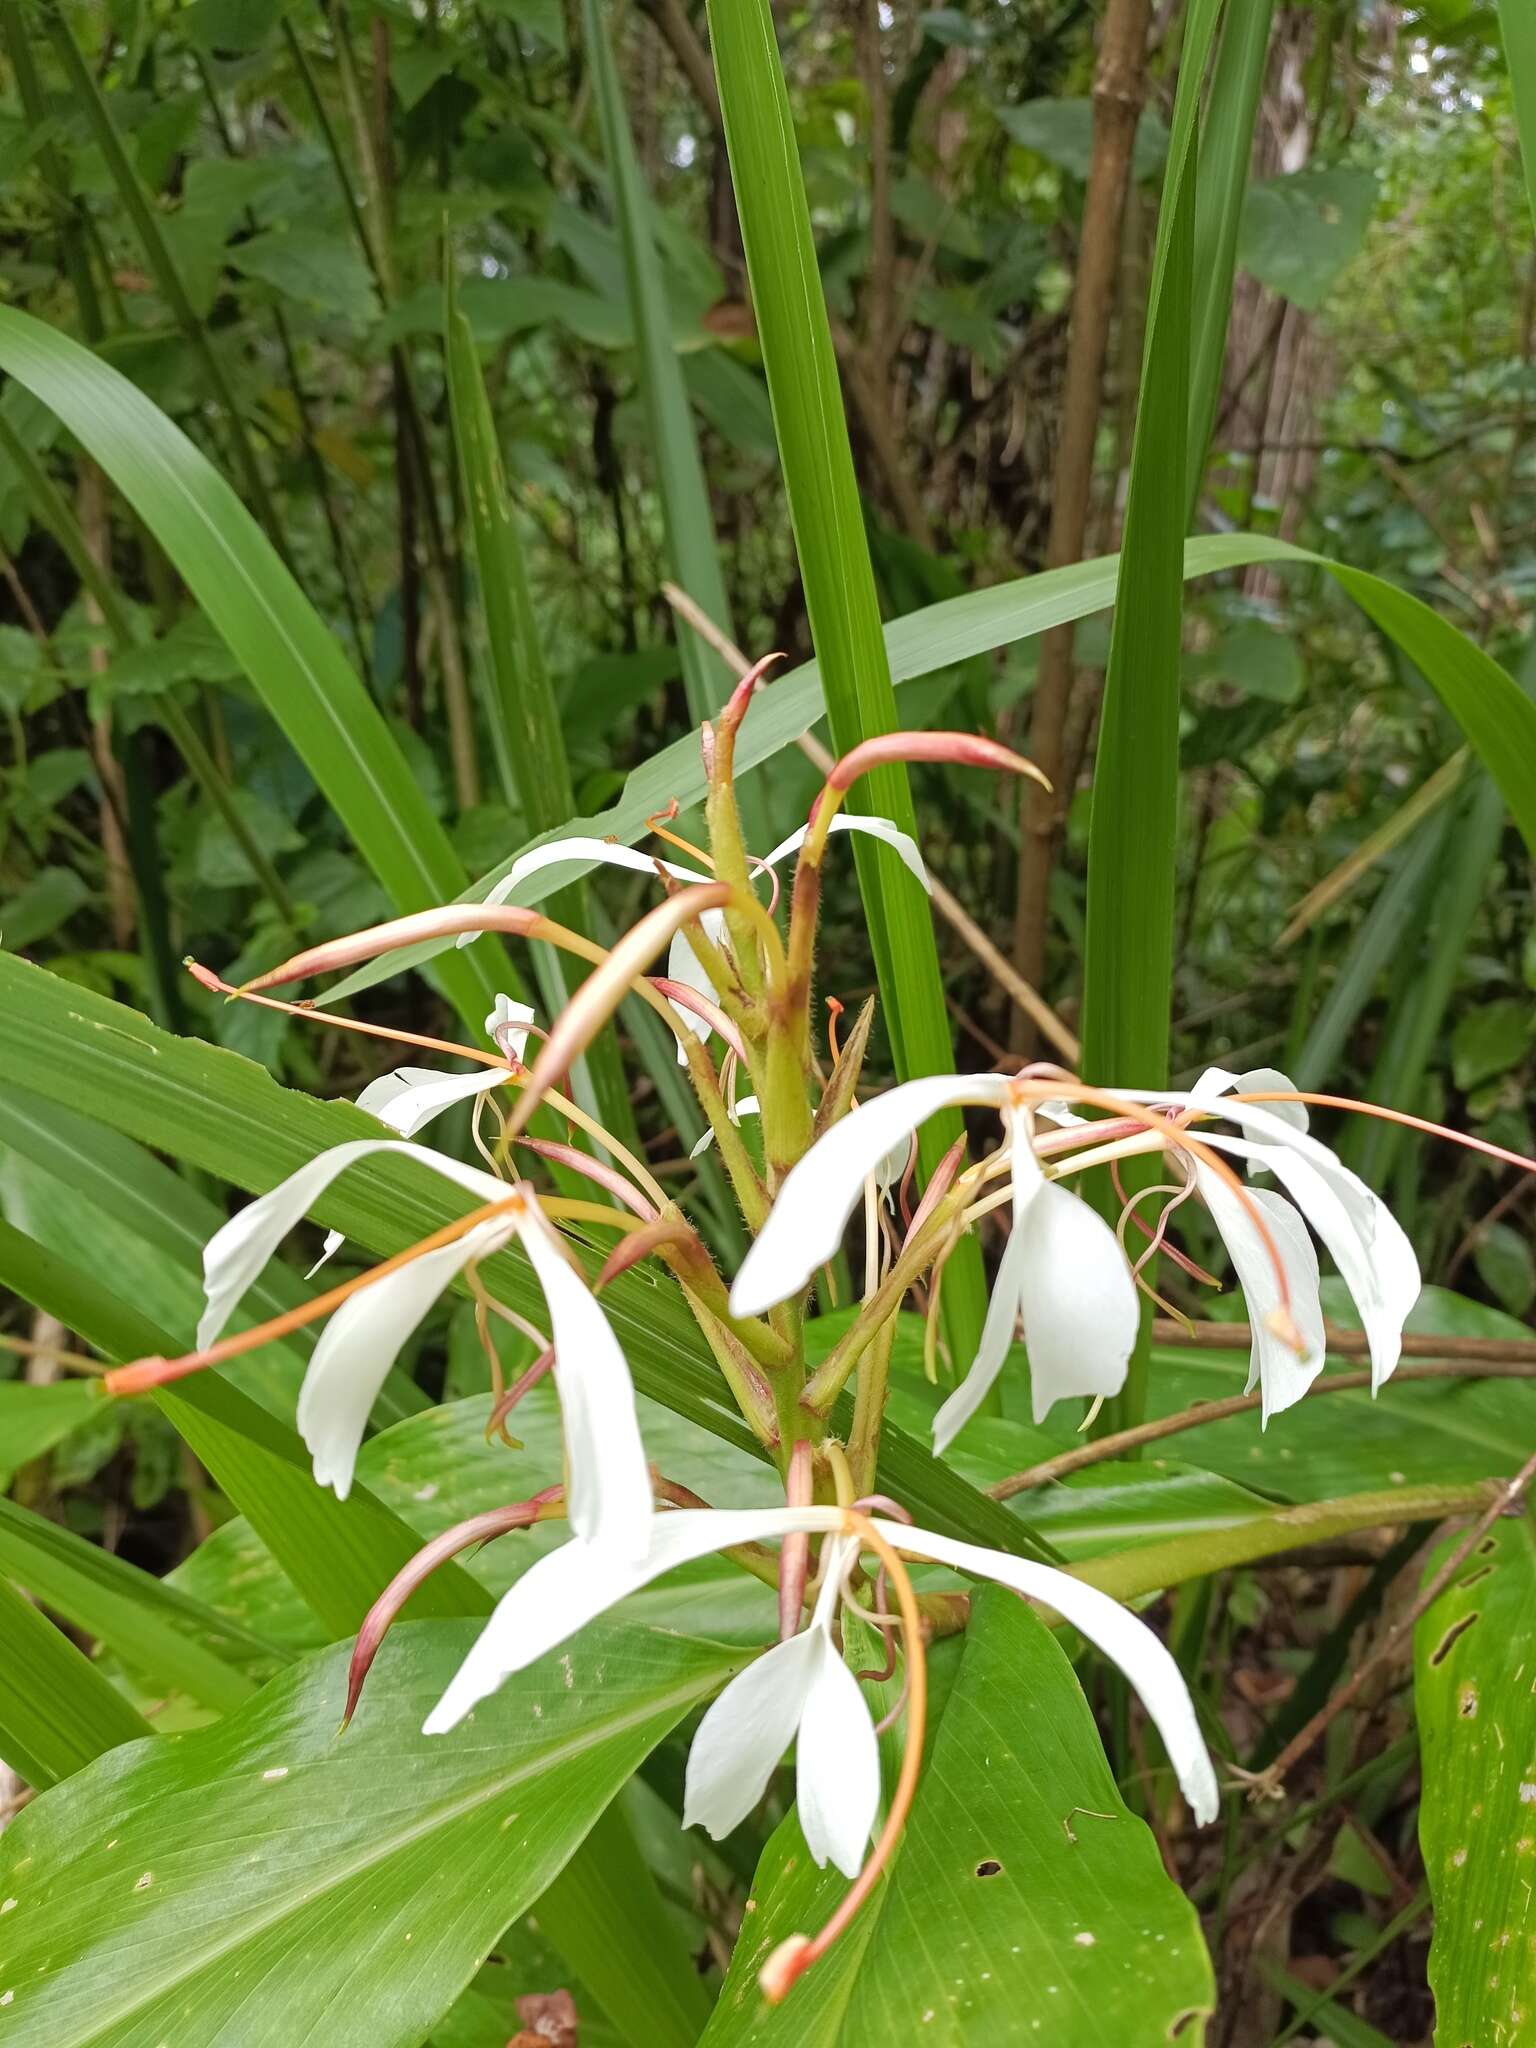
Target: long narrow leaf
[269,626]
[1517,19]
[835,567]
[57,1712]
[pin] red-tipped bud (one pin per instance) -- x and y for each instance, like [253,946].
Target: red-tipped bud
[636,1245]
[782,1971]
[595,1170]
[384,1611]
[937,1188]
[736,704]
[687,998]
[964,749]
[445,922]
[206,978]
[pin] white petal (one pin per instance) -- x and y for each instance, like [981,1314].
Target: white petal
[411,1097]
[746,1106]
[683,965]
[806,1222]
[996,1336]
[333,1244]
[586,851]
[837,1763]
[362,1341]
[902,844]
[1364,1239]
[1217,1081]
[1273,1364]
[507,1026]
[1077,1301]
[744,1734]
[1112,1629]
[609,1493]
[559,1594]
[235,1254]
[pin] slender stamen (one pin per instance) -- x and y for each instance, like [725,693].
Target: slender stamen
[1391,1116]
[657,823]
[206,977]
[525,1382]
[145,1373]
[834,1011]
[792,1958]
[1157,1240]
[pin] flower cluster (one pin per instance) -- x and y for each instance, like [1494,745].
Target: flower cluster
[1065,1281]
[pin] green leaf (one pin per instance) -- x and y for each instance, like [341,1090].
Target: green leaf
[1043,1914]
[167,1639]
[229,1886]
[57,1711]
[264,618]
[1489,1040]
[34,1419]
[1300,232]
[40,906]
[1062,132]
[316,269]
[1473,1655]
[1518,23]
[1506,1267]
[833,555]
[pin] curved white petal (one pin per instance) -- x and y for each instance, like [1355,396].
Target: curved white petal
[806,1222]
[609,1492]
[683,965]
[902,844]
[747,1105]
[996,1336]
[1217,1081]
[507,1026]
[1275,1367]
[1364,1239]
[837,1761]
[362,1341]
[585,851]
[1112,1629]
[235,1254]
[1077,1301]
[746,1731]
[559,1594]
[410,1097]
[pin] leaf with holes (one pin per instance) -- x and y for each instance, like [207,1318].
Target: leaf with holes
[246,1885]
[1474,1653]
[1042,1913]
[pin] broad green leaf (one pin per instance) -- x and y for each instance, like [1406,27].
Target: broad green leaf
[1062,132]
[166,1638]
[57,1711]
[1473,1654]
[34,1419]
[1506,1266]
[1301,231]
[1039,1913]
[838,577]
[1489,1039]
[50,898]
[222,1113]
[229,1886]
[320,270]
[525,1965]
[269,626]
